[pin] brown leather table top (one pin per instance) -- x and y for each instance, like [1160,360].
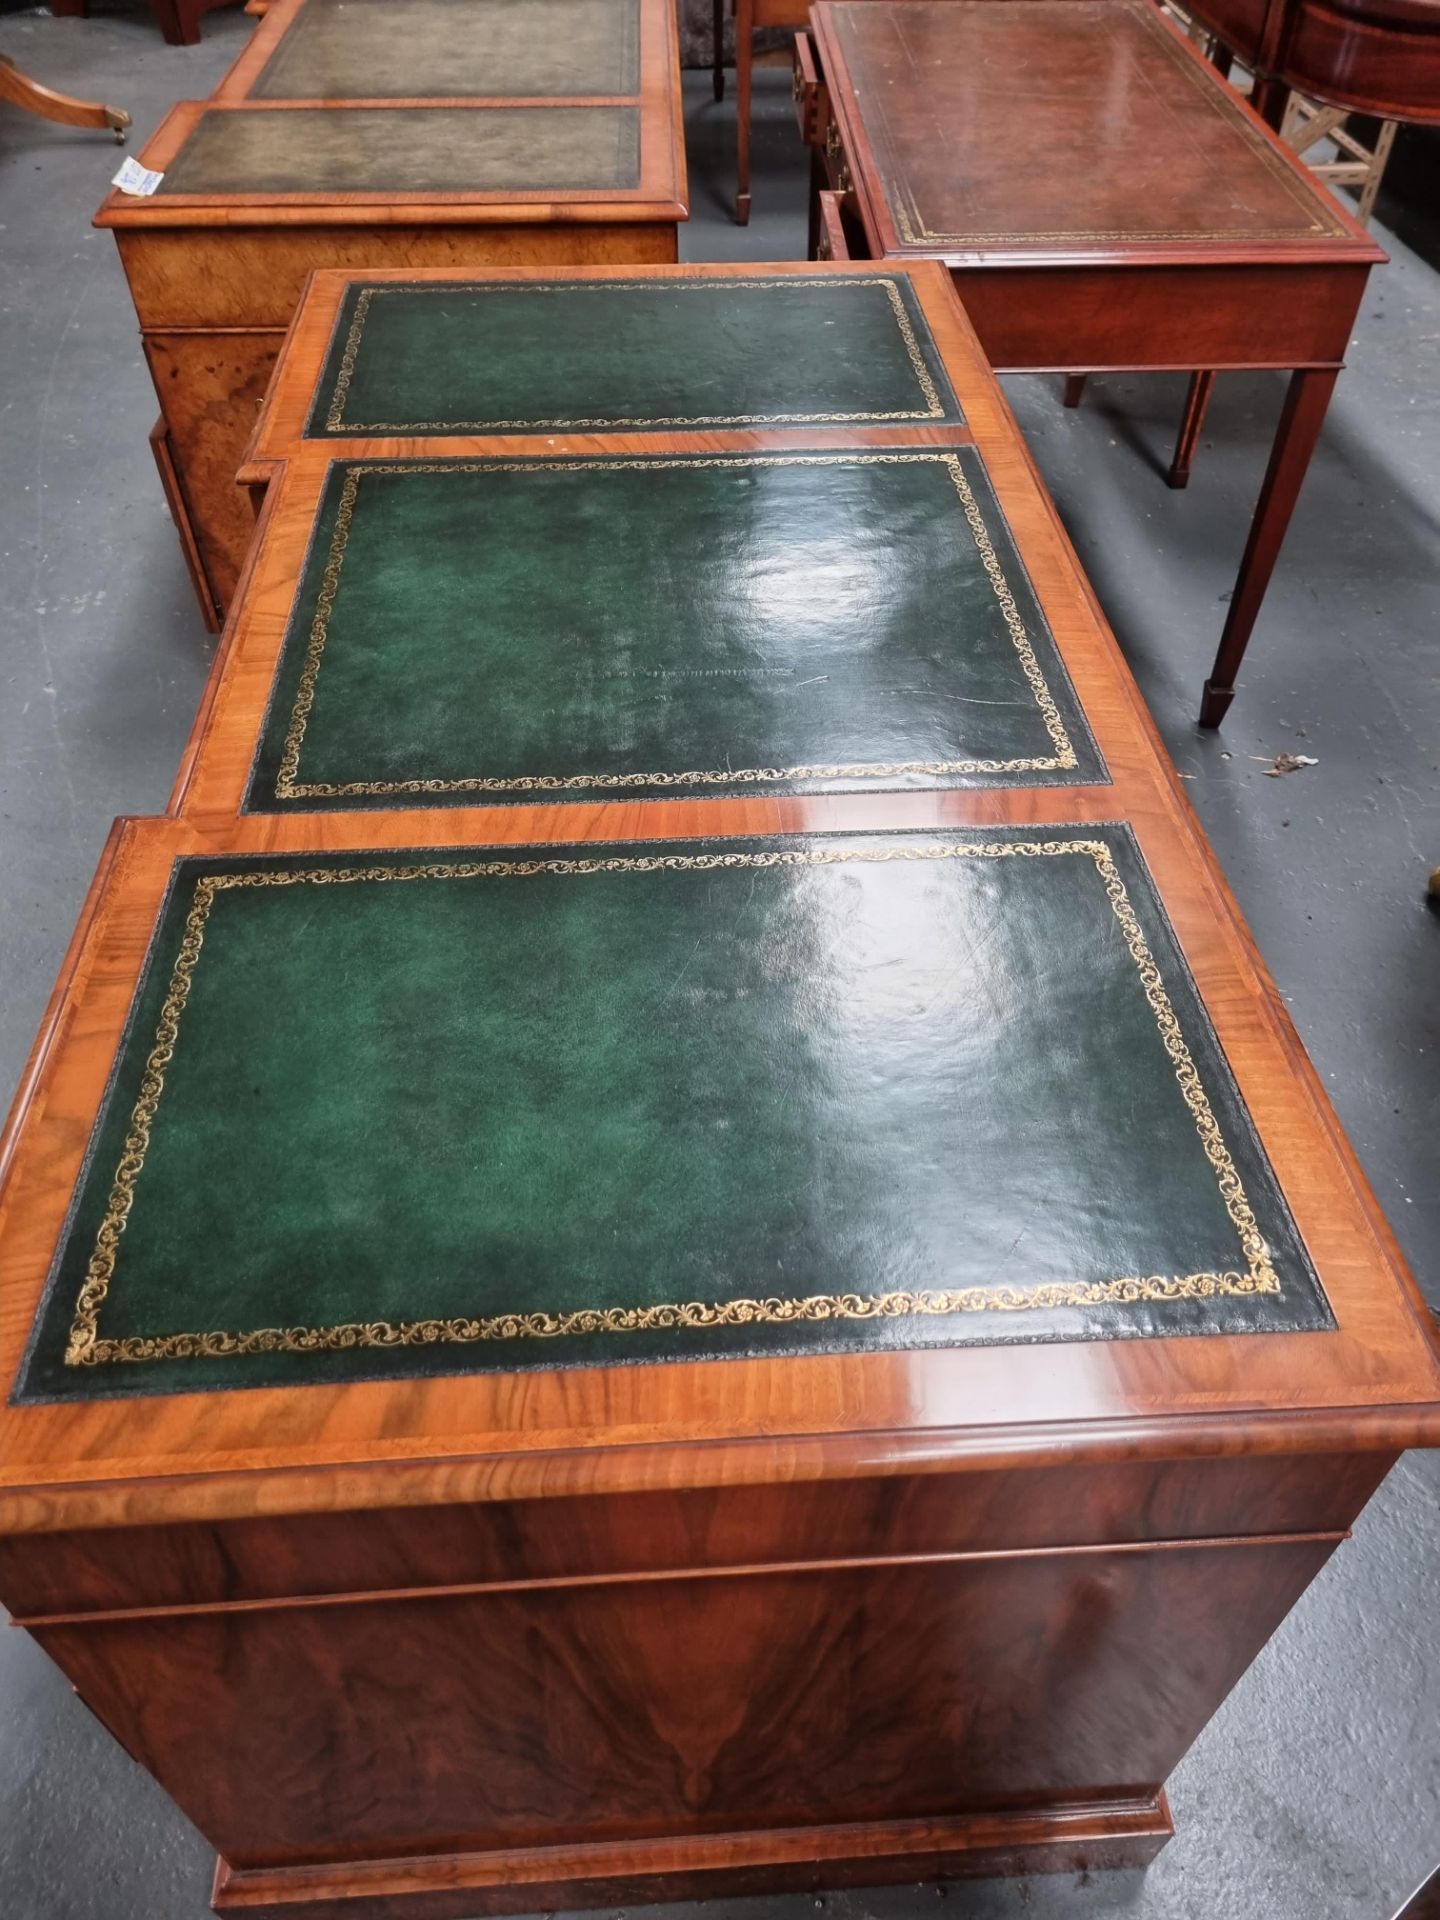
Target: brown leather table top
[1081,124]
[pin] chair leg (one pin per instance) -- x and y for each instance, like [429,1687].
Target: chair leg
[1075,388]
[1202,385]
[21,91]
[718,70]
[1379,160]
[1269,98]
[744,62]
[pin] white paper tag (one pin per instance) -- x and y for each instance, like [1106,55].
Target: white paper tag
[133,178]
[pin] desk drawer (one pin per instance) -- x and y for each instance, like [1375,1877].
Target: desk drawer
[837,162]
[565,1538]
[831,242]
[812,101]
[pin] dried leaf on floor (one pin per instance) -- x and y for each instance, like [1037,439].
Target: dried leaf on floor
[1289,763]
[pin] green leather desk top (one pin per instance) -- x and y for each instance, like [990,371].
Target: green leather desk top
[408,1112]
[495,49]
[393,150]
[559,355]
[507,630]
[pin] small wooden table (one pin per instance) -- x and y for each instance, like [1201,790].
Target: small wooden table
[671,1242]
[452,132]
[1102,200]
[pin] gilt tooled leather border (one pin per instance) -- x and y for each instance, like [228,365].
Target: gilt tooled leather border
[266,85]
[289,785]
[1253,1272]
[911,227]
[943,409]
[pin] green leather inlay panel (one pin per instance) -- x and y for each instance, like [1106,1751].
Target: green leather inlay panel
[390,1114]
[581,355]
[484,49]
[499,630]
[324,150]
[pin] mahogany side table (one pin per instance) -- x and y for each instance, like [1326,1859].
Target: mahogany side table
[1032,149]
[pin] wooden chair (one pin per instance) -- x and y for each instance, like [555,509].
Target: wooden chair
[21,91]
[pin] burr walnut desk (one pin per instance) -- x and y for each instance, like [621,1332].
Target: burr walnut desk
[726,1274]
[358,132]
[1033,149]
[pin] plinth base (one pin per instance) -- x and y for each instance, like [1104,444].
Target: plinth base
[622,1873]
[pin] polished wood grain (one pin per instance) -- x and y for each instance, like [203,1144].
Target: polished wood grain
[17,89]
[610,1873]
[1236,260]
[136,1571]
[216,277]
[666,1705]
[501,1643]
[1376,56]
[1424,1903]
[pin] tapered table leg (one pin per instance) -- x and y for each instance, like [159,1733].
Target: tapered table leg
[21,91]
[744,60]
[1300,422]
[1075,388]
[718,75]
[1202,385]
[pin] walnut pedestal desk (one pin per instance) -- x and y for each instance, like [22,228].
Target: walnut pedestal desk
[360,133]
[1103,201]
[668,1240]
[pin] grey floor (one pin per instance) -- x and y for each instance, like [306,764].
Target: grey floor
[1316,1790]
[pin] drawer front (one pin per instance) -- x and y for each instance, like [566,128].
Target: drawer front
[830,241]
[715,1528]
[837,162]
[238,277]
[812,101]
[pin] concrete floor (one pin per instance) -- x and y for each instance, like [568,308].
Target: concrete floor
[1316,1791]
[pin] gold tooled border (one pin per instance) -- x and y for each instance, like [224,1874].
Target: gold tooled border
[87,1347]
[934,408]
[630,36]
[913,232]
[289,785]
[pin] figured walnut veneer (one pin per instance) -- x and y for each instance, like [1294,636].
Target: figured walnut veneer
[501,1638]
[284,171]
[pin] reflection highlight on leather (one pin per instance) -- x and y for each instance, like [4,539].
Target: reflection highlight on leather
[797,621]
[881,1091]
